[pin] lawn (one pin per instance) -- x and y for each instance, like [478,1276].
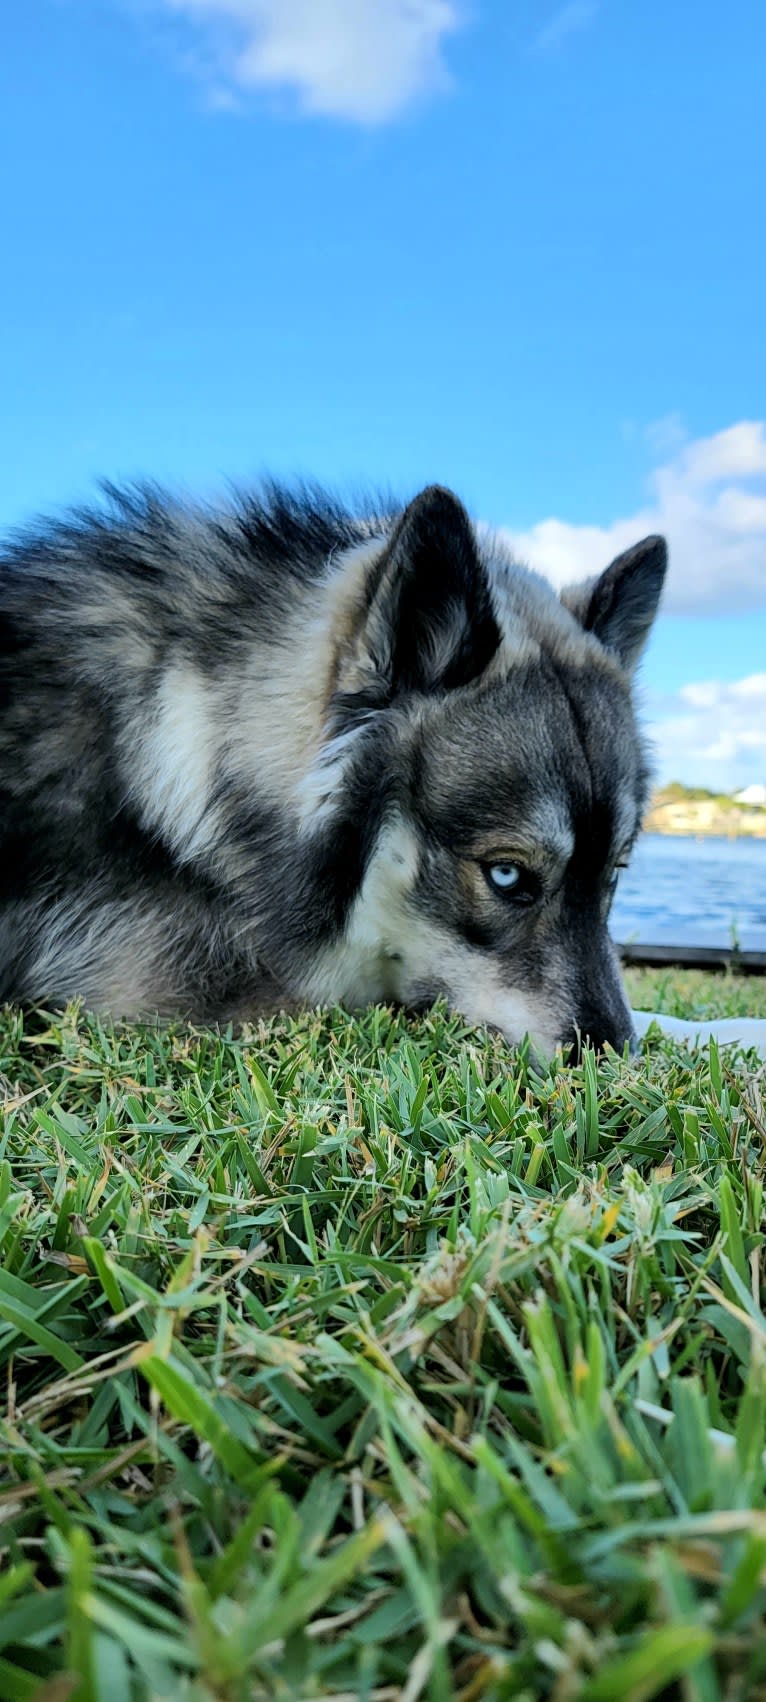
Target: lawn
[355,1359]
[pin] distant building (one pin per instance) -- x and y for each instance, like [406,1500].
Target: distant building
[752,795]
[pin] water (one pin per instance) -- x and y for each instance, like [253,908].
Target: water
[694,892]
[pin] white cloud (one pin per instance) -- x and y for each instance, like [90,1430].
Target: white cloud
[712,733]
[739,452]
[569,20]
[709,499]
[360,60]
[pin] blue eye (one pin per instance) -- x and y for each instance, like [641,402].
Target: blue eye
[504,876]
[510,881]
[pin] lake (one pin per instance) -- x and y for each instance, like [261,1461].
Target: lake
[681,891]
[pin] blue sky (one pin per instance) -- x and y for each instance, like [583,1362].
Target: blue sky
[513,246]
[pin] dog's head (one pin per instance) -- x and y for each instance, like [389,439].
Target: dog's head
[515,775]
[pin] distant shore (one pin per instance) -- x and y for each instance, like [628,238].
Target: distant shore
[680,810]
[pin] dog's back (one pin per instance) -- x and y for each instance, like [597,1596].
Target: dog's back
[135,645]
[218,732]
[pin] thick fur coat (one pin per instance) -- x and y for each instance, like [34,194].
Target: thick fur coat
[285,754]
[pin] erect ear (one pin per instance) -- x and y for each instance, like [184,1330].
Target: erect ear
[429,623]
[619,606]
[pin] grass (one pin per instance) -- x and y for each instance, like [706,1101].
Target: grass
[694,993]
[356,1360]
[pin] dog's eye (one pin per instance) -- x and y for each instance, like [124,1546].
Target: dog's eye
[513,882]
[613,883]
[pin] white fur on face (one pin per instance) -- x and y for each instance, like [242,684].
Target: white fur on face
[391,951]
[481,997]
[364,967]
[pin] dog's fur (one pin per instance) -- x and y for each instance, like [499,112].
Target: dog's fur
[267,757]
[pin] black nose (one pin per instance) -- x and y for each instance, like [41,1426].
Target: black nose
[597,1035]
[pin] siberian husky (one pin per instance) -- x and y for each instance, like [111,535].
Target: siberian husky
[287,754]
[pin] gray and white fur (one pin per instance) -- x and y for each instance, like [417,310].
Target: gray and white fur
[284,754]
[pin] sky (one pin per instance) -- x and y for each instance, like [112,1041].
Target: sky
[512,246]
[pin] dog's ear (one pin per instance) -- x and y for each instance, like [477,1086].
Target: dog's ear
[429,623]
[619,606]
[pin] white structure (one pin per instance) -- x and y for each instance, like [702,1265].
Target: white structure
[752,795]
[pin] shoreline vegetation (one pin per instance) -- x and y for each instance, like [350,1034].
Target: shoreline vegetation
[691,810]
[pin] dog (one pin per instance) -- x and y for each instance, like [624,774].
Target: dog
[287,754]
